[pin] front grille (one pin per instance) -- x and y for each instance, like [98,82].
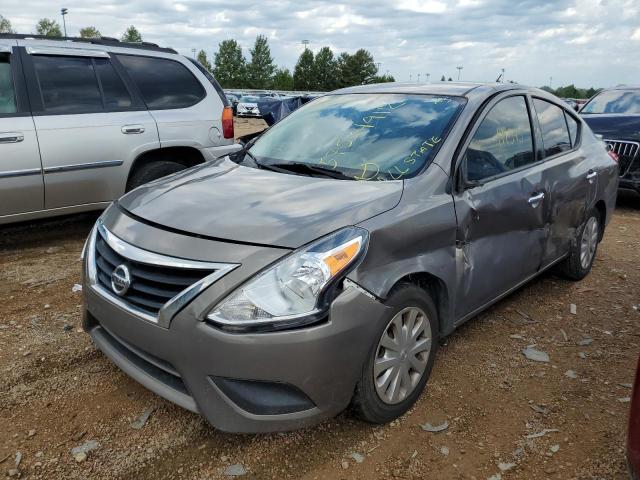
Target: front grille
[151,285]
[628,155]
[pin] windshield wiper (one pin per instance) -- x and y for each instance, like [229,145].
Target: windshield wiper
[305,168]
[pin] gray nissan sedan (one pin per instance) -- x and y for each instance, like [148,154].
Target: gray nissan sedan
[320,267]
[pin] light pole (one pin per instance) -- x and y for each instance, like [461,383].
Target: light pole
[409,77]
[459,70]
[504,80]
[305,43]
[418,78]
[63,12]
[193,52]
[427,75]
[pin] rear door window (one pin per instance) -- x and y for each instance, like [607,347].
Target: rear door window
[68,84]
[502,142]
[163,83]
[573,129]
[7,94]
[116,95]
[555,135]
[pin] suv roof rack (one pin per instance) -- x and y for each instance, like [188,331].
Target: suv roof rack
[107,41]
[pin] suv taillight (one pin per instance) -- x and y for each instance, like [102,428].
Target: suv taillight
[227,122]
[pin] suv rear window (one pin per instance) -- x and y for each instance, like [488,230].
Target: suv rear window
[163,83]
[7,96]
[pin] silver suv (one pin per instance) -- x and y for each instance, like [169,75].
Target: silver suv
[84,121]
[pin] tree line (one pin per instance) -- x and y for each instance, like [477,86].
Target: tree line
[51,28]
[321,72]
[571,91]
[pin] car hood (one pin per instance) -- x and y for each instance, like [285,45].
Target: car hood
[614,126]
[227,201]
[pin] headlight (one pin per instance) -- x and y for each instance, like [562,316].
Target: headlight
[291,291]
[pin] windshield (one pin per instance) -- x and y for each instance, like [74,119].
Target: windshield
[248,99]
[362,136]
[614,101]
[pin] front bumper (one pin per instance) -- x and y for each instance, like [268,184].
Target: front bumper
[286,379]
[181,363]
[247,113]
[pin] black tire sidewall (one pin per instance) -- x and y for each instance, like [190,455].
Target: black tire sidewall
[572,267]
[153,171]
[368,404]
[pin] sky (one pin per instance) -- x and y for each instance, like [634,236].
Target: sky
[538,42]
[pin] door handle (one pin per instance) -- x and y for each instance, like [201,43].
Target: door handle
[132,129]
[535,200]
[11,137]
[591,176]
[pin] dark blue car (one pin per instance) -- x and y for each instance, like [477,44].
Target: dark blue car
[615,114]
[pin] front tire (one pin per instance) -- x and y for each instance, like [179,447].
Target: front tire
[400,362]
[580,260]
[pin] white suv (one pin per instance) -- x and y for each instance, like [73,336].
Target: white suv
[84,121]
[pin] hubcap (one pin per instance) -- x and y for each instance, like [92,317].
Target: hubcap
[402,355]
[589,242]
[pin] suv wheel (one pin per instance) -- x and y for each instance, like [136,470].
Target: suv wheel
[401,360]
[152,171]
[580,260]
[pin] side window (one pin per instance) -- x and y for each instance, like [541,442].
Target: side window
[7,95]
[163,83]
[116,95]
[502,142]
[68,84]
[555,135]
[573,129]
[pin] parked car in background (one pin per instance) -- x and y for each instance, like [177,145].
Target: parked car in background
[233,101]
[614,113]
[248,106]
[82,121]
[321,266]
[633,438]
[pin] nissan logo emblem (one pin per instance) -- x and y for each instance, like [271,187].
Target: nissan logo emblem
[120,280]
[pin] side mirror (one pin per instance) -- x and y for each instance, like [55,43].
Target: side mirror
[576,107]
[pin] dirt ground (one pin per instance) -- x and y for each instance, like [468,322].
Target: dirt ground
[565,419]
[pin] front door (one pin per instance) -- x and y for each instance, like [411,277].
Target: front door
[21,188]
[502,207]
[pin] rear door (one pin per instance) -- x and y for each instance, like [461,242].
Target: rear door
[569,177]
[90,126]
[21,187]
[502,206]
[188,112]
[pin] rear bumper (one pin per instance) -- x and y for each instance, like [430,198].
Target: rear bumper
[630,183]
[314,368]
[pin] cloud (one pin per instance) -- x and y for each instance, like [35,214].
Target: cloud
[569,40]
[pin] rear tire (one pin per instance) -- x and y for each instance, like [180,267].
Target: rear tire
[152,171]
[583,252]
[373,401]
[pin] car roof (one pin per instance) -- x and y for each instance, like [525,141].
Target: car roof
[623,87]
[463,89]
[104,41]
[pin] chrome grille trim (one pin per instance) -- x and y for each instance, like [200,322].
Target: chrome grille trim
[171,308]
[627,151]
